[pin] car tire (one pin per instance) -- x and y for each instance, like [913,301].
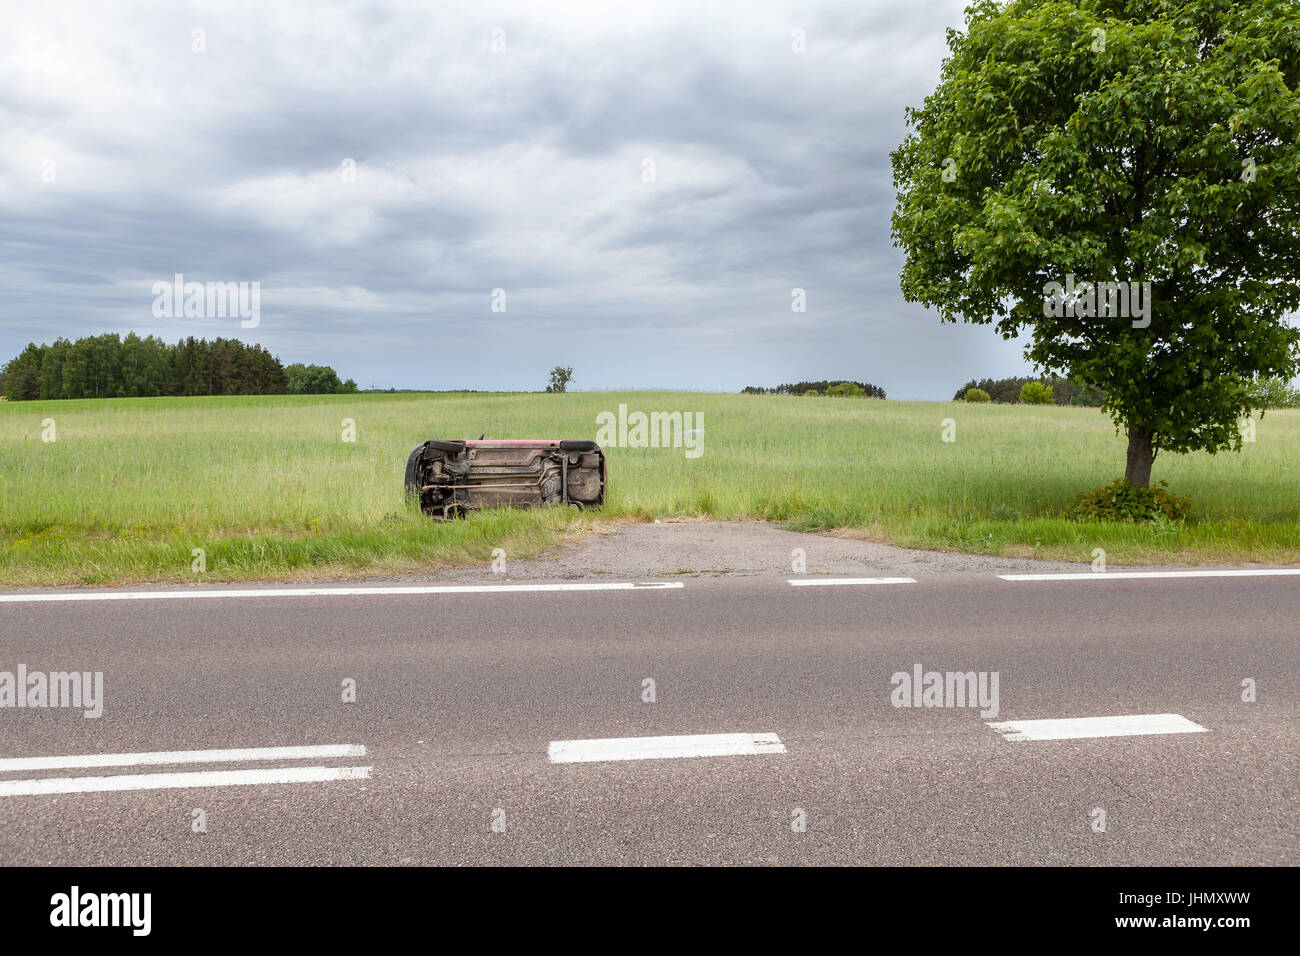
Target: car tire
[577,445]
[413,473]
[454,447]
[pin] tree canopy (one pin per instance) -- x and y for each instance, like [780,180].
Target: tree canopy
[107,366]
[829,387]
[561,375]
[1123,141]
[315,380]
[1007,390]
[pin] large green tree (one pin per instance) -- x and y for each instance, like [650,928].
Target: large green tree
[1118,141]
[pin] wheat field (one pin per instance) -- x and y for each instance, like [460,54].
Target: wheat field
[268,487]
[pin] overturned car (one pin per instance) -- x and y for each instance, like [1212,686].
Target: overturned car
[452,478]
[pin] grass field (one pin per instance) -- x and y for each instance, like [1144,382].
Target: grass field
[268,488]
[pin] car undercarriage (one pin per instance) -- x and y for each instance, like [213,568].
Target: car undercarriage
[453,478]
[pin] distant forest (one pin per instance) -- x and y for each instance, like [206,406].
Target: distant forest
[106,366]
[1007,390]
[832,387]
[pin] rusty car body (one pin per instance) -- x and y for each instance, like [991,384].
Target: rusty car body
[453,478]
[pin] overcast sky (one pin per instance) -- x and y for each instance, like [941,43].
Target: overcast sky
[647,182]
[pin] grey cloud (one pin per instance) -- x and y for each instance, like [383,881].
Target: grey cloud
[519,170]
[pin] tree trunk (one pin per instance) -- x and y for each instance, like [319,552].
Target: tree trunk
[1140,456]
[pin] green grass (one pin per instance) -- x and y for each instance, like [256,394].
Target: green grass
[268,488]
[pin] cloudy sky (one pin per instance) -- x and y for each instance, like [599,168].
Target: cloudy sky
[646,182]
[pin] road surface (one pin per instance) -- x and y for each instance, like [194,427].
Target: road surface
[469,738]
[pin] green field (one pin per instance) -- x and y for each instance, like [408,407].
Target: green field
[268,488]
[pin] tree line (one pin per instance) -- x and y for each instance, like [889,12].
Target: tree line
[107,366]
[853,389]
[1065,391]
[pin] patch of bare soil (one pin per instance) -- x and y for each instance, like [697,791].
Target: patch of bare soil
[675,549]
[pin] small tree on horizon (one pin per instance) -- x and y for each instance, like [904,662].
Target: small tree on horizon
[560,378]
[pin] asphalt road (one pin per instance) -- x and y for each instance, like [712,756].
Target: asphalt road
[459,695]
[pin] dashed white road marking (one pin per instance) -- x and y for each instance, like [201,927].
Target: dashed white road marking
[815,582]
[1123,575]
[173,781]
[77,761]
[661,748]
[1071,728]
[332,592]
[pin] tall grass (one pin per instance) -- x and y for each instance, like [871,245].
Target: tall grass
[268,488]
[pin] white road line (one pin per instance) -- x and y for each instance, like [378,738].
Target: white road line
[1118,575]
[331,592]
[814,582]
[1071,728]
[661,748]
[77,761]
[173,781]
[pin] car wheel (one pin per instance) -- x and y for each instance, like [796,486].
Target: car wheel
[413,472]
